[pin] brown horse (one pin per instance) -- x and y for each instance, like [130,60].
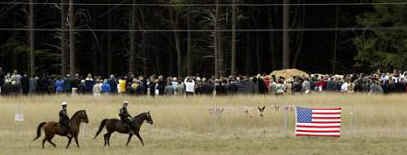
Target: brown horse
[113,125]
[53,128]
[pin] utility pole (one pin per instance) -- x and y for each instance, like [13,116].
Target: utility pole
[31,37]
[233,65]
[72,56]
[336,42]
[63,41]
[286,35]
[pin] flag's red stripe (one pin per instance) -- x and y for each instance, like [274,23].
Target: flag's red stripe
[318,135]
[302,126]
[336,131]
[326,117]
[327,113]
[326,108]
[326,122]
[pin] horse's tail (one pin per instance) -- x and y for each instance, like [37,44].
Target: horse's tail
[39,130]
[102,125]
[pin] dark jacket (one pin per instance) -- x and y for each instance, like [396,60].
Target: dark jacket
[1,77]
[63,118]
[25,84]
[113,85]
[75,82]
[67,85]
[124,114]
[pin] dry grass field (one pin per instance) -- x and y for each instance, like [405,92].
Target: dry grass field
[371,125]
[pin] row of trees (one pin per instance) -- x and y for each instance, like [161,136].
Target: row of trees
[154,39]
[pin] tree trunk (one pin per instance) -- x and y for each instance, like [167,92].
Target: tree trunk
[63,41]
[271,39]
[72,57]
[336,42]
[221,54]
[31,37]
[248,54]
[215,40]
[286,36]
[145,56]
[177,43]
[143,41]
[189,46]
[170,62]
[109,46]
[219,42]
[258,54]
[300,38]
[132,36]
[233,61]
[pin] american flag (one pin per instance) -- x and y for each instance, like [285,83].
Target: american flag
[318,122]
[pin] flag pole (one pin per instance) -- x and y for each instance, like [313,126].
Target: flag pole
[286,120]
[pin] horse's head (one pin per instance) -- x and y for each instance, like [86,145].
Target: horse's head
[83,116]
[148,118]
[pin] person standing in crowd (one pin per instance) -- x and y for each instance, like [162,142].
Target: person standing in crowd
[122,85]
[89,83]
[344,86]
[306,86]
[151,85]
[141,86]
[2,79]
[68,84]
[33,85]
[180,87]
[106,87]
[59,86]
[133,86]
[82,87]
[280,87]
[189,86]
[25,84]
[161,85]
[76,81]
[174,85]
[16,79]
[97,88]
[113,84]
[41,85]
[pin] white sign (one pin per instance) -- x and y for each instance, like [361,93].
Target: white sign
[19,117]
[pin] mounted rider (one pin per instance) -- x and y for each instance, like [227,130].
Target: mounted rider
[126,117]
[64,119]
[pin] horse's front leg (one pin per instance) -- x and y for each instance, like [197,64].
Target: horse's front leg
[76,141]
[128,140]
[69,142]
[139,137]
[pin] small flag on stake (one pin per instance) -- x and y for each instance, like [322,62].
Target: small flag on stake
[318,122]
[19,117]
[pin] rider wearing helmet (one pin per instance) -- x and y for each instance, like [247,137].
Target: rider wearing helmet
[64,119]
[125,117]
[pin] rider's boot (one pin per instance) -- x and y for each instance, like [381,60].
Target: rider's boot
[131,129]
[68,132]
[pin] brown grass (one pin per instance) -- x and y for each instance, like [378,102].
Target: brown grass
[371,125]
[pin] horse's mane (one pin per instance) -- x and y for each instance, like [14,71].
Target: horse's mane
[77,113]
[140,115]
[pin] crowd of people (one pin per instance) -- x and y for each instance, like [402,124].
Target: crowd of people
[379,83]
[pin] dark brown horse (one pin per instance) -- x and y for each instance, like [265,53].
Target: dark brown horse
[54,128]
[113,125]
